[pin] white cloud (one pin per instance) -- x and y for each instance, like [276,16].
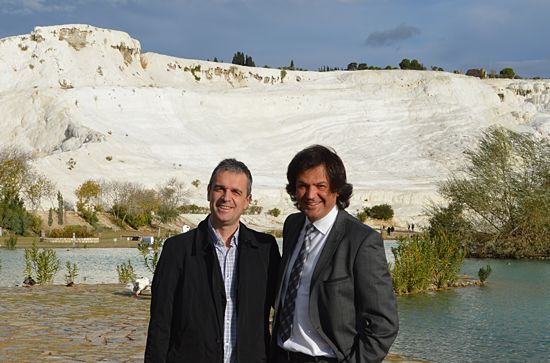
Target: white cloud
[26,7]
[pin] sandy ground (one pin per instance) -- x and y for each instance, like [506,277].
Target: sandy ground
[83,323]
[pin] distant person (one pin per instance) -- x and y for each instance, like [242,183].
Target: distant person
[389,231]
[335,301]
[412,227]
[214,286]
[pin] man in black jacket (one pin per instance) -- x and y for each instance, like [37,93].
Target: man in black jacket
[214,286]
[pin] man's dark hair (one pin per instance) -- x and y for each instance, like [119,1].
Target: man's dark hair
[313,156]
[234,166]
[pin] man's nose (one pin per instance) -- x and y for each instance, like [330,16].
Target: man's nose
[311,192]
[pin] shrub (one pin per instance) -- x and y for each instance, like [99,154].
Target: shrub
[484,273]
[13,215]
[507,73]
[499,202]
[88,215]
[283,74]
[11,242]
[362,216]
[72,273]
[275,212]
[424,262]
[193,209]
[67,232]
[150,254]
[380,211]
[167,213]
[41,265]
[253,208]
[125,272]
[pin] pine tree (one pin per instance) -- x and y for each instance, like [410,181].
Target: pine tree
[60,209]
[50,217]
[249,62]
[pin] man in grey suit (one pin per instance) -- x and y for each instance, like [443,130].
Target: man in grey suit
[335,301]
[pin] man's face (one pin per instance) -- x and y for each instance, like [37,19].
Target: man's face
[228,198]
[313,193]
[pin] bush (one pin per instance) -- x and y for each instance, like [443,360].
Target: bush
[89,216]
[13,215]
[362,216]
[499,202]
[193,209]
[425,262]
[253,208]
[126,272]
[380,211]
[41,265]
[11,242]
[72,273]
[507,73]
[275,212]
[167,213]
[150,254]
[484,273]
[67,232]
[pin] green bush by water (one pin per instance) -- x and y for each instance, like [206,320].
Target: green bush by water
[425,262]
[125,272]
[41,264]
[72,272]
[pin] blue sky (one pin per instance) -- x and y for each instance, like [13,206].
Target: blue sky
[453,34]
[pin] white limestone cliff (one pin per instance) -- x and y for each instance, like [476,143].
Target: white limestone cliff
[89,94]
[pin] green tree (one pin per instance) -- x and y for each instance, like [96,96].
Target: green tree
[50,217]
[238,58]
[172,195]
[13,215]
[291,66]
[503,196]
[42,264]
[249,62]
[414,64]
[60,208]
[405,64]
[352,66]
[380,211]
[507,73]
[87,195]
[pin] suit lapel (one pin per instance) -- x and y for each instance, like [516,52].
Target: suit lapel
[334,239]
[247,264]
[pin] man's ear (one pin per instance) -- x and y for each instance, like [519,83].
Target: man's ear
[208,193]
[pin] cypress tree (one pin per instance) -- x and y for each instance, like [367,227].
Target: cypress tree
[59,208]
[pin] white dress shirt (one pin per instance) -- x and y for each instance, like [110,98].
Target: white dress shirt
[304,338]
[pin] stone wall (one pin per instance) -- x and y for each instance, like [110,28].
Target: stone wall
[70,240]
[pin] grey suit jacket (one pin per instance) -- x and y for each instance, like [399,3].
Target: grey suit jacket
[351,301]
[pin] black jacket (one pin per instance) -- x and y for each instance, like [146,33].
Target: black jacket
[188,299]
